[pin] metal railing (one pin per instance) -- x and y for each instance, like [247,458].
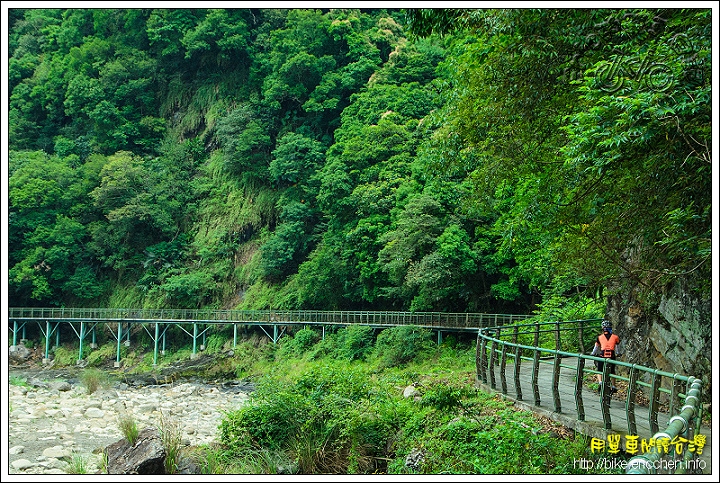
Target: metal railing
[121,322]
[431,320]
[504,351]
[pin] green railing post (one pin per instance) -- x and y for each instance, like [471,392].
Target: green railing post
[579,388]
[479,360]
[654,401]
[581,341]
[674,395]
[518,388]
[536,365]
[556,370]
[483,361]
[630,401]
[47,340]
[82,337]
[503,363]
[491,364]
[15,330]
[605,388]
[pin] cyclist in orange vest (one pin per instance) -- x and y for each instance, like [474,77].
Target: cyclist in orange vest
[606,345]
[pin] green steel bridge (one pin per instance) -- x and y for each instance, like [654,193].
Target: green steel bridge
[541,366]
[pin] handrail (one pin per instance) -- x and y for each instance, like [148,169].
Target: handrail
[426,319]
[503,340]
[120,321]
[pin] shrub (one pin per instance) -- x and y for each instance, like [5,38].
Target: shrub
[399,345]
[444,397]
[215,343]
[351,343]
[299,343]
[268,419]
[18,381]
[355,342]
[101,354]
[62,356]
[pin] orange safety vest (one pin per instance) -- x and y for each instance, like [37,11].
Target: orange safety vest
[607,346]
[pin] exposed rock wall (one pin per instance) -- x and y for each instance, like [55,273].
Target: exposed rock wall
[673,334]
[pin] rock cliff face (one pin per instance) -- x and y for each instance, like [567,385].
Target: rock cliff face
[673,334]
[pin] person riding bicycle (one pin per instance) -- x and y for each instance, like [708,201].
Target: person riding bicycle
[607,346]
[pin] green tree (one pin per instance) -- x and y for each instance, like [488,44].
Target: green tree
[140,211]
[573,160]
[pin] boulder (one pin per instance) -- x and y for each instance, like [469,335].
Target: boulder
[19,354]
[411,391]
[145,457]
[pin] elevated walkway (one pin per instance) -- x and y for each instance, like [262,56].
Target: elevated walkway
[655,417]
[593,425]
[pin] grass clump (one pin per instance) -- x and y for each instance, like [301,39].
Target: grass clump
[18,381]
[171,437]
[128,427]
[78,464]
[93,379]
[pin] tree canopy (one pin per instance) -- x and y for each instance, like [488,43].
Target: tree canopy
[423,159]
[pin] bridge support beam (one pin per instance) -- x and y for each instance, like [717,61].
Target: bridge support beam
[119,341]
[157,336]
[48,332]
[82,338]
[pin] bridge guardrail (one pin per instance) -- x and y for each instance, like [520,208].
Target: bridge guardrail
[121,321]
[497,346]
[425,319]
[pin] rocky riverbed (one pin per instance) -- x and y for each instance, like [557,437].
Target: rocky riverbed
[53,422]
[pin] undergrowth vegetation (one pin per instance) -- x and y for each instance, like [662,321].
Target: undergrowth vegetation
[357,400]
[367,401]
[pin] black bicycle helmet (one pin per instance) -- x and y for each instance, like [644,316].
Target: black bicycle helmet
[606,325]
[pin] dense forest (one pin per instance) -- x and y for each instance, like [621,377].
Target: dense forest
[502,161]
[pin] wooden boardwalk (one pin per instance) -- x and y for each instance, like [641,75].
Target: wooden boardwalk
[593,424]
